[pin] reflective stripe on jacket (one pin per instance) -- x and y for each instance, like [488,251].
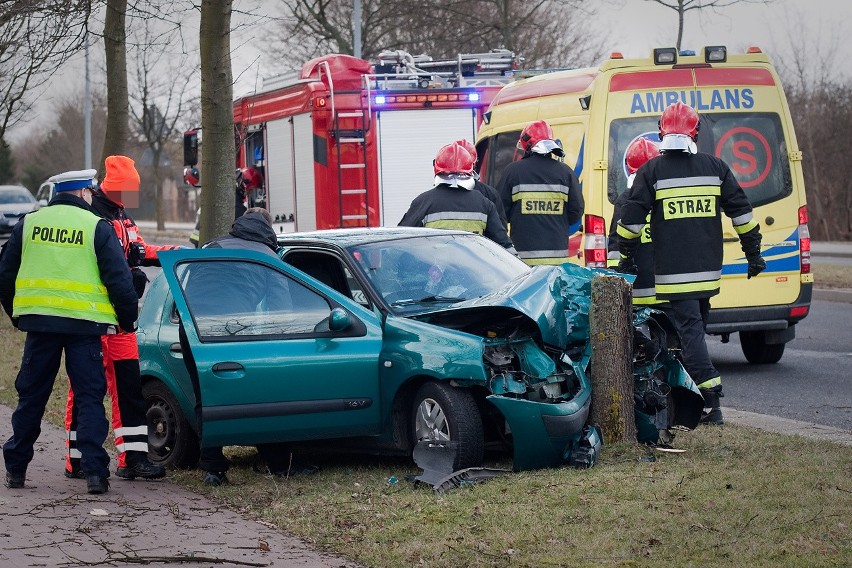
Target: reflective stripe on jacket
[59,274]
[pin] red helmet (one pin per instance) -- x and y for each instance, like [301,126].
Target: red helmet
[534,133]
[191,176]
[454,159]
[640,151]
[251,179]
[468,146]
[679,118]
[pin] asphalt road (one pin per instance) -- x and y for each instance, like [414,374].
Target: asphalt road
[811,382]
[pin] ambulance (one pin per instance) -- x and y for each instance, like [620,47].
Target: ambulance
[745,120]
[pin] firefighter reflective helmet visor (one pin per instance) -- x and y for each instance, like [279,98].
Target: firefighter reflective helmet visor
[538,137]
[679,128]
[638,152]
[121,181]
[454,166]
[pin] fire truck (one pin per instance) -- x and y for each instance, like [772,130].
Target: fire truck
[349,143]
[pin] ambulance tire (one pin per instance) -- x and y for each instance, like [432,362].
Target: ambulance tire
[757,351]
[171,440]
[443,413]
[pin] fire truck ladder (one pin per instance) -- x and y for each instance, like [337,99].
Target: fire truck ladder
[351,132]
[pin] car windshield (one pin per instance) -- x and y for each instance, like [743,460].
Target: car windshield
[424,273]
[12,195]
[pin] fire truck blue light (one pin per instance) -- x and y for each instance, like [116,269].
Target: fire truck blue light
[380,100]
[473,97]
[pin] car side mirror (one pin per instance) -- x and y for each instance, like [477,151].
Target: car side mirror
[337,320]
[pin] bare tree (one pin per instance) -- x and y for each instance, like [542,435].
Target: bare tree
[160,98]
[218,157]
[684,6]
[546,32]
[36,39]
[115,49]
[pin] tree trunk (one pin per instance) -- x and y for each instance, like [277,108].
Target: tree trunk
[118,111]
[610,319]
[680,10]
[218,159]
[156,153]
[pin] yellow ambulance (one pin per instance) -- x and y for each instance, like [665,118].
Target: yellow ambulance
[597,112]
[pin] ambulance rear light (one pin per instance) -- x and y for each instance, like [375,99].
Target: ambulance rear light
[665,56]
[804,241]
[594,245]
[799,311]
[754,49]
[715,54]
[430,98]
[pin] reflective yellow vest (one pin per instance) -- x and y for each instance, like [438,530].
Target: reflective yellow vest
[59,273]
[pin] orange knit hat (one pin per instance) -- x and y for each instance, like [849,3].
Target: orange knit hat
[121,175]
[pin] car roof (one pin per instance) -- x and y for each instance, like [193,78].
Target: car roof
[8,187]
[361,235]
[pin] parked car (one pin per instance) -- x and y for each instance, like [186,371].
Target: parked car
[379,338]
[45,193]
[15,202]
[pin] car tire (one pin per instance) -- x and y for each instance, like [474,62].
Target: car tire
[171,440]
[757,351]
[442,413]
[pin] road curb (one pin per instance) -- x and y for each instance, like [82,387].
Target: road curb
[787,426]
[833,295]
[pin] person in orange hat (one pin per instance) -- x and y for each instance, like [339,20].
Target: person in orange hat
[120,188]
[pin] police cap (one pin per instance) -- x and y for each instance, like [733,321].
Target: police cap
[70,181]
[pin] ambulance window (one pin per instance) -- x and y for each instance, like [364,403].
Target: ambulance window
[753,146]
[502,151]
[621,134]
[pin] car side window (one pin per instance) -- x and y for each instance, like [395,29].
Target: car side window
[232,299]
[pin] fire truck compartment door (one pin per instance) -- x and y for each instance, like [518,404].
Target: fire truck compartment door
[290,170]
[408,142]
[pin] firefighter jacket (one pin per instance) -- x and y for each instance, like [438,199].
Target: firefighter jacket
[644,293]
[542,199]
[446,207]
[65,253]
[686,195]
[494,198]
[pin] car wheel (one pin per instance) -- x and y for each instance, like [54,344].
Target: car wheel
[171,440]
[442,413]
[757,351]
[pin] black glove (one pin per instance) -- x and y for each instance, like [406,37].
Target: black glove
[627,266]
[140,280]
[135,254]
[756,264]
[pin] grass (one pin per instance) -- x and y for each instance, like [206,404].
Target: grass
[736,497]
[832,275]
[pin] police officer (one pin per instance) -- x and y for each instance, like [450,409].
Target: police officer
[64,280]
[638,152]
[121,353]
[686,191]
[541,197]
[451,204]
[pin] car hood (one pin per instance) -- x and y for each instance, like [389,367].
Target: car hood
[17,208]
[553,299]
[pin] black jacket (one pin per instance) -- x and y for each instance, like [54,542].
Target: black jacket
[114,275]
[542,199]
[686,195]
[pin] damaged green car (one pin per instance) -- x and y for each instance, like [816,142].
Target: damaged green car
[380,339]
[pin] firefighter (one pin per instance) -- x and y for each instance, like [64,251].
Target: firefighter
[484,188]
[64,280]
[121,354]
[638,152]
[541,197]
[686,191]
[451,203]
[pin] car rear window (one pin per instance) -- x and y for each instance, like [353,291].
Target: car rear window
[751,144]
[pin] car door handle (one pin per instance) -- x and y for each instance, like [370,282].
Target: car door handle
[175,348]
[227,366]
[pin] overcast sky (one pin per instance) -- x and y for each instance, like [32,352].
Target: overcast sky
[633,27]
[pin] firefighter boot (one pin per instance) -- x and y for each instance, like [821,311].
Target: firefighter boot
[712,414]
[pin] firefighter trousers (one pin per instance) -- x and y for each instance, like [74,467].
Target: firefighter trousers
[39,365]
[689,318]
[124,385]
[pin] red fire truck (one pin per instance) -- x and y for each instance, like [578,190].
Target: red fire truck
[350,144]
